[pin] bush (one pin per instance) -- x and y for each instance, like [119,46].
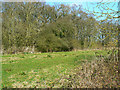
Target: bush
[96,74]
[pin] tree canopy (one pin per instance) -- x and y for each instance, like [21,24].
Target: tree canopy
[53,28]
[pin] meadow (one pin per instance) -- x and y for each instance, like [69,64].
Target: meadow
[82,46]
[42,70]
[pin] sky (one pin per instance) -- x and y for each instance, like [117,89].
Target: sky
[91,6]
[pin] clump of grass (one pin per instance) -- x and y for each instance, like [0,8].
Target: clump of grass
[35,70]
[22,57]
[8,70]
[11,61]
[77,56]
[65,55]
[26,53]
[49,56]
[22,73]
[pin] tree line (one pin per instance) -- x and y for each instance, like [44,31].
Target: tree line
[46,28]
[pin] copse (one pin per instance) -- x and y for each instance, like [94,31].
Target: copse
[46,28]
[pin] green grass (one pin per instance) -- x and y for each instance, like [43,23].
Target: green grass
[42,69]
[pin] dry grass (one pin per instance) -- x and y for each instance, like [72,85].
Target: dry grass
[95,74]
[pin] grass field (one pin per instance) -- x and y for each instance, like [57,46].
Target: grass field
[42,69]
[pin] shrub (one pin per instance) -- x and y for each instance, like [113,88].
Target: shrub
[98,74]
